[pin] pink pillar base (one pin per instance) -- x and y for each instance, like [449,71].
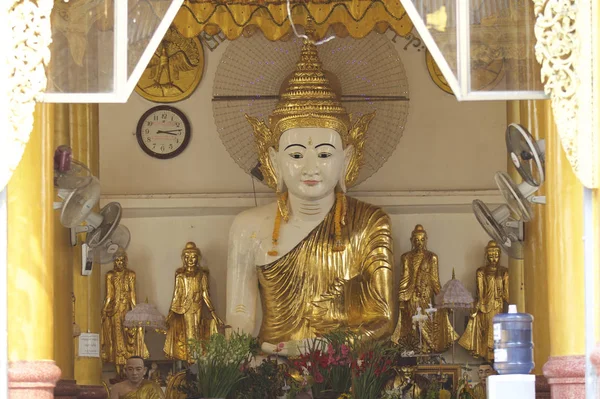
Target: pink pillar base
[566,376]
[33,379]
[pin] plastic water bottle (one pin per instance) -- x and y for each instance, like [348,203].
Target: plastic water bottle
[513,342]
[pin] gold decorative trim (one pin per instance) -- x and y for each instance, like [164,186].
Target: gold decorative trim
[356,18]
[26,55]
[563,30]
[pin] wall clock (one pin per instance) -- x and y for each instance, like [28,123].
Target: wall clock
[163,132]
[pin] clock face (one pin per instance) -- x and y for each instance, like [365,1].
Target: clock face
[163,132]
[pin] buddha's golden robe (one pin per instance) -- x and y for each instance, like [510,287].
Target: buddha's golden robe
[186,320]
[147,390]
[419,284]
[117,343]
[479,391]
[492,292]
[313,290]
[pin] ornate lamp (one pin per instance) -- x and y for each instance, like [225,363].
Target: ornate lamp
[454,295]
[147,316]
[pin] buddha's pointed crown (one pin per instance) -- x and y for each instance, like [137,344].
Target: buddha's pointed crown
[309,100]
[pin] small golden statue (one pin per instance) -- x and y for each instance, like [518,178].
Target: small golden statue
[135,387]
[480,390]
[185,319]
[154,374]
[419,283]
[492,295]
[117,342]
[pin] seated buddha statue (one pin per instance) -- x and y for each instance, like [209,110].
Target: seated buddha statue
[317,259]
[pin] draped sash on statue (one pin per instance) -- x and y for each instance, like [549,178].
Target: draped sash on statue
[147,390]
[312,289]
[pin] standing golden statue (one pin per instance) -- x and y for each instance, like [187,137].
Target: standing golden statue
[186,319]
[419,284]
[318,260]
[492,295]
[117,342]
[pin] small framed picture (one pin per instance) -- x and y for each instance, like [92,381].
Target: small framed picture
[444,376]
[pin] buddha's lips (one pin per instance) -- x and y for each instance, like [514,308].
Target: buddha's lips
[311,182]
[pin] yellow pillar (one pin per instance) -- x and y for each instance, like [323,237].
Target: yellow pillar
[535,116]
[564,251]
[84,141]
[516,286]
[63,263]
[30,276]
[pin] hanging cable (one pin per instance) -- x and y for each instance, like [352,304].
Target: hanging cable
[302,36]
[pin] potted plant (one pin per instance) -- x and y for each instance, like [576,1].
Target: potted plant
[221,364]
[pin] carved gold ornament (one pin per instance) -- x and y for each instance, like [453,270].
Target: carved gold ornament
[436,74]
[174,71]
[563,30]
[26,41]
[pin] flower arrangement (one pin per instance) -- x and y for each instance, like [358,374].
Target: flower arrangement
[268,380]
[221,363]
[341,363]
[371,367]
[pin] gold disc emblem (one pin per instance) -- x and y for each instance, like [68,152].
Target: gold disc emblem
[174,71]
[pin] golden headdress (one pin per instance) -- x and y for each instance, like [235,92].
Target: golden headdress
[492,246]
[418,229]
[190,247]
[309,101]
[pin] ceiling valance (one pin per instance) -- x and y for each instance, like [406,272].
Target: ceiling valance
[356,18]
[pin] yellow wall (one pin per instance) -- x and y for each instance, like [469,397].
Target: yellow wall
[30,275]
[85,143]
[564,251]
[536,116]
[63,262]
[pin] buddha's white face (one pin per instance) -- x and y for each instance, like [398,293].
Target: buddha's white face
[311,161]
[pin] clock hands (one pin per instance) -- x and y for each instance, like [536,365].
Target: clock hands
[169,132]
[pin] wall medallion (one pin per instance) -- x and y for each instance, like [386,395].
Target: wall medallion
[174,71]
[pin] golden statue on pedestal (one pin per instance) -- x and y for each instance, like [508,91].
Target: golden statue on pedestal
[419,284]
[117,342]
[492,295]
[319,260]
[186,319]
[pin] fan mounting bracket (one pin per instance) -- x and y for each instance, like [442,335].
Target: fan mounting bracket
[515,227]
[77,230]
[537,199]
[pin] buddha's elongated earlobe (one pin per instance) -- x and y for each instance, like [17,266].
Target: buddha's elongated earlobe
[276,169]
[348,153]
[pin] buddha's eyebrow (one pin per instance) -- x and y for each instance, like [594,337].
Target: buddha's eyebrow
[322,144]
[292,145]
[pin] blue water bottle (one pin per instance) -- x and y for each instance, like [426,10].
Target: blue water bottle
[513,342]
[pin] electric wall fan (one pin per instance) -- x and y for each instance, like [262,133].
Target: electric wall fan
[528,157]
[503,229]
[80,192]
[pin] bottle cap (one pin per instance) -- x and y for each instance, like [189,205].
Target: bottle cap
[512,309]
